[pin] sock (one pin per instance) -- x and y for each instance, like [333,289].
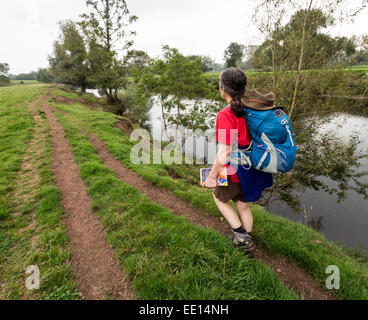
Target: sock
[240,230]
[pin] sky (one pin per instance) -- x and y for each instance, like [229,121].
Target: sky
[28,28]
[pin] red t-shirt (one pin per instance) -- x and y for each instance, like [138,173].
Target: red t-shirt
[229,130]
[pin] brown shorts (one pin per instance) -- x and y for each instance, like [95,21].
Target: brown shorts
[232,192]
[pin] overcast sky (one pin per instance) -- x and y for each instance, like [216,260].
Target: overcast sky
[29,27]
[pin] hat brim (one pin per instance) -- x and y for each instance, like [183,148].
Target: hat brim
[256,105]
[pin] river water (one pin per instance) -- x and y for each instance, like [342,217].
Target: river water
[345,222]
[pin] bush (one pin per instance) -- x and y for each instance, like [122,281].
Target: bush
[135,106]
[4,81]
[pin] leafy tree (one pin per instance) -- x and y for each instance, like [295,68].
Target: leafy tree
[346,45]
[174,79]
[234,54]
[44,75]
[307,24]
[135,105]
[69,62]
[362,54]
[4,73]
[26,76]
[284,47]
[137,58]
[107,72]
[207,63]
[105,26]
[298,45]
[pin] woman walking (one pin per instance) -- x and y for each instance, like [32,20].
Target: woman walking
[232,134]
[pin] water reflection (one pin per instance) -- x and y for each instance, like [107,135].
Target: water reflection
[202,149]
[345,222]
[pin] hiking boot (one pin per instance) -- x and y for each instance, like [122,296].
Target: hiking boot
[244,241]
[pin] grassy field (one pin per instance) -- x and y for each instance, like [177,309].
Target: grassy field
[363,68]
[31,229]
[24,81]
[276,235]
[166,256]
[18,82]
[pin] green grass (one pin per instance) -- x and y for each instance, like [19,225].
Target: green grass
[276,235]
[18,83]
[166,256]
[31,228]
[24,81]
[359,68]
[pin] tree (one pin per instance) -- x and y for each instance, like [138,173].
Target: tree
[362,54]
[291,45]
[207,63]
[44,75]
[137,58]
[105,26]
[174,79]
[282,50]
[4,73]
[346,45]
[107,72]
[69,62]
[268,18]
[26,76]
[234,54]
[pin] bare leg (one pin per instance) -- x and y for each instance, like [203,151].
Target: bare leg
[245,214]
[229,213]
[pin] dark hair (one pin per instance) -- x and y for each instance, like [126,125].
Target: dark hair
[234,81]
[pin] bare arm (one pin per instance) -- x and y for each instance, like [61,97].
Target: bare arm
[222,158]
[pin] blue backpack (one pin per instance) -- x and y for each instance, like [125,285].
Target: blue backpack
[273,147]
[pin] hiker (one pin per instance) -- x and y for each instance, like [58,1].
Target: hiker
[232,134]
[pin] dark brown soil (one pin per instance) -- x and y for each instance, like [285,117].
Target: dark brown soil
[125,126]
[70,101]
[290,273]
[175,175]
[96,269]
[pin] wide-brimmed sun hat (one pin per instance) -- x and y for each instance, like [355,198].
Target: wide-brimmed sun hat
[259,99]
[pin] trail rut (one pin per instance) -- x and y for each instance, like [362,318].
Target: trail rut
[96,269]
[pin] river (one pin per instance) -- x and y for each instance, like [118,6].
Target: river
[345,222]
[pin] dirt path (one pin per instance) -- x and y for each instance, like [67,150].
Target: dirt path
[95,266]
[288,272]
